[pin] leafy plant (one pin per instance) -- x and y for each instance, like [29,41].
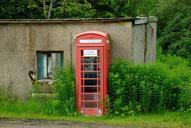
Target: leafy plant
[148,88]
[64,91]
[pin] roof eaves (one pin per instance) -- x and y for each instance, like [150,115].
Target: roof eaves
[144,20]
[66,20]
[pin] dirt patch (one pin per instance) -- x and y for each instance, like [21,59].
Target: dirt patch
[24,123]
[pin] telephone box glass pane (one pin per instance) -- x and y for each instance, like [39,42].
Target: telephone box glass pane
[98,60]
[90,89]
[98,74]
[98,67]
[90,82]
[99,89]
[90,74]
[98,82]
[90,67]
[90,97]
[90,104]
[90,59]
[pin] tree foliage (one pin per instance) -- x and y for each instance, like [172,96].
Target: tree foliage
[175,27]
[74,8]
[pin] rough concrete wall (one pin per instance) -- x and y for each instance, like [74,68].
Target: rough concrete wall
[50,37]
[151,43]
[18,46]
[144,43]
[19,43]
[138,43]
[120,35]
[15,55]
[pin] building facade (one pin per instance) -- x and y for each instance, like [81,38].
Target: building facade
[39,45]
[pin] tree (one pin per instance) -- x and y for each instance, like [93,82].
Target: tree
[73,9]
[175,27]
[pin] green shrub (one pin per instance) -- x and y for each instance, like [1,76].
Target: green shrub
[64,91]
[135,87]
[155,87]
[185,98]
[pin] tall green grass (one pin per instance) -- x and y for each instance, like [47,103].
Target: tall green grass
[150,88]
[156,87]
[30,106]
[62,100]
[64,91]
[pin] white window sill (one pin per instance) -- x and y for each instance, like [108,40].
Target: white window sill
[46,81]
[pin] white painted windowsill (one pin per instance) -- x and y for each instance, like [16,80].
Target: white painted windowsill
[46,81]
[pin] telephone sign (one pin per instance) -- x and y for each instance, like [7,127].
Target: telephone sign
[91,41]
[90,53]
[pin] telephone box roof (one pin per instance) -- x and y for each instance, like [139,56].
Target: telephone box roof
[92,32]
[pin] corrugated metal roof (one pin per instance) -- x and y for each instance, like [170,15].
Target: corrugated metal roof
[120,19]
[65,20]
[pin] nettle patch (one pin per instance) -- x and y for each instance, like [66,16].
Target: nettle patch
[149,88]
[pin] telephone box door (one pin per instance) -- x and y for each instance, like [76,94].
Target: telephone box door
[91,80]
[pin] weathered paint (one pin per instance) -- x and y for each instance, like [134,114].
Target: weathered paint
[19,43]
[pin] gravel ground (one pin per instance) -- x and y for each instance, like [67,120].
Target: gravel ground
[4,123]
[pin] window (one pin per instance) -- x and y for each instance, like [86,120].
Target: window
[47,62]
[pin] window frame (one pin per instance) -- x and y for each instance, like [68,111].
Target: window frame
[46,52]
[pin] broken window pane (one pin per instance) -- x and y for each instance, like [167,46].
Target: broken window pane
[47,62]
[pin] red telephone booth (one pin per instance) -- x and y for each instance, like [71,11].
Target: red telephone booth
[92,53]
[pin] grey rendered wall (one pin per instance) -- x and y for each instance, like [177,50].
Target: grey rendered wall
[151,42]
[144,43]
[18,46]
[15,58]
[120,37]
[19,43]
[138,43]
